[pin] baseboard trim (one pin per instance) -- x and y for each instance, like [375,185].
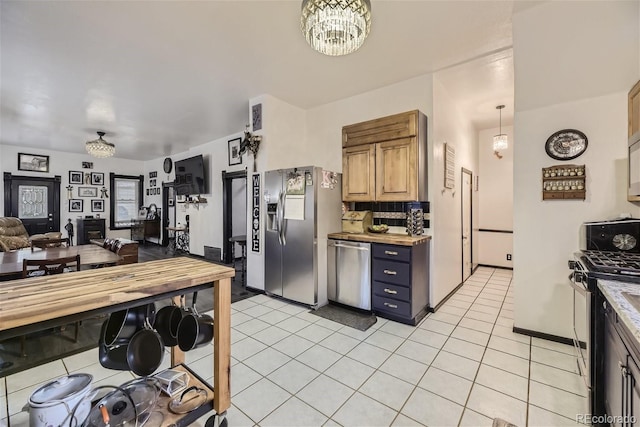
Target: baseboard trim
[548,337]
[495,266]
[445,299]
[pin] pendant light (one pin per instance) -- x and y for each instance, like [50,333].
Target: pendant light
[336,27]
[500,141]
[100,148]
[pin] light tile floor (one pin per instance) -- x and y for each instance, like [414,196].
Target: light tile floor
[461,366]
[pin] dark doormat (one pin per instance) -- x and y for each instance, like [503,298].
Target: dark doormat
[352,318]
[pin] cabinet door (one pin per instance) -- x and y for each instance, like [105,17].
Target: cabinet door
[401,125]
[615,377]
[358,173]
[396,170]
[634,109]
[633,400]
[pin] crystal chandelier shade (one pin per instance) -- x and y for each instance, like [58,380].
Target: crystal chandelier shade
[336,27]
[500,141]
[100,148]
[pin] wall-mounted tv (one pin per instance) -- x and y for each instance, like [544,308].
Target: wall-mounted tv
[190,176]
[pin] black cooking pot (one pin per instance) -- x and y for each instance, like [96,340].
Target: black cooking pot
[114,356]
[123,324]
[194,330]
[167,321]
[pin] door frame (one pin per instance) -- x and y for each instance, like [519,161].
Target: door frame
[227,211]
[462,173]
[8,178]
[165,212]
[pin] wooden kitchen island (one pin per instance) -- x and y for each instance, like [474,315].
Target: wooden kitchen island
[33,304]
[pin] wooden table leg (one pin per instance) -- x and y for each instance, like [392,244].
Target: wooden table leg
[177,355]
[222,345]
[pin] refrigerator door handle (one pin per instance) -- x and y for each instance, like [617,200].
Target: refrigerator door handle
[283,222]
[278,220]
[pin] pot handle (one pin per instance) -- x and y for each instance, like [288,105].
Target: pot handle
[193,303]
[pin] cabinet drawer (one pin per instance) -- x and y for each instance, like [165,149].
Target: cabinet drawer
[392,306]
[387,290]
[391,272]
[392,252]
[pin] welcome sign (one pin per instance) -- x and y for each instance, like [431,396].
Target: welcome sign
[255,213]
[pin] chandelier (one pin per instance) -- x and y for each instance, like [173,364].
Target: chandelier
[336,27]
[500,141]
[100,148]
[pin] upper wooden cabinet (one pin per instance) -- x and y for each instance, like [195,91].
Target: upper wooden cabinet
[387,128]
[358,173]
[385,159]
[634,111]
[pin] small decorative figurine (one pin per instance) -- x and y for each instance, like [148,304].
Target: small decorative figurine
[69,228]
[103,193]
[69,191]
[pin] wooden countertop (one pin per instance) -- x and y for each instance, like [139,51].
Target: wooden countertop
[28,301]
[387,238]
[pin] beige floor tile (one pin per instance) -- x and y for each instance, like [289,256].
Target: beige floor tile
[457,365]
[539,417]
[271,335]
[426,337]
[404,421]
[361,410]
[552,345]
[433,325]
[293,376]
[473,419]
[387,389]
[447,385]
[464,348]
[325,394]
[476,325]
[369,354]
[445,317]
[260,399]
[509,346]
[246,348]
[556,400]
[339,343]
[236,418]
[398,329]
[242,377]
[432,410]
[558,378]
[554,358]
[508,362]
[503,381]
[315,333]
[349,372]
[293,345]
[293,324]
[294,413]
[469,335]
[494,404]
[384,340]
[319,358]
[406,369]
[418,352]
[274,317]
[266,361]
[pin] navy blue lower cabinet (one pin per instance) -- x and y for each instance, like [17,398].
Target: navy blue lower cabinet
[400,281]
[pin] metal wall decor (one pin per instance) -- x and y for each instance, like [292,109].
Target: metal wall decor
[449,166]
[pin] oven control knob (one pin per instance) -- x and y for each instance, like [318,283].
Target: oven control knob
[577,276]
[572,264]
[624,242]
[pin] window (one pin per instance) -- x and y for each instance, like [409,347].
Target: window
[126,199]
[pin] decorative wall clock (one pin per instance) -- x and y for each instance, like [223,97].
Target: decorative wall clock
[168,165]
[566,144]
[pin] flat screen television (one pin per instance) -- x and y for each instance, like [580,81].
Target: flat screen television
[190,176]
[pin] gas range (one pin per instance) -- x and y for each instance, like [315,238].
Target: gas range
[622,266]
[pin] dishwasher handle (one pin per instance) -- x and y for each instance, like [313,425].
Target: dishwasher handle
[348,245]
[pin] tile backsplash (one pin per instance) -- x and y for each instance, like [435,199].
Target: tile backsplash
[394,214]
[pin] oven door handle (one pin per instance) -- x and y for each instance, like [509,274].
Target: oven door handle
[578,287]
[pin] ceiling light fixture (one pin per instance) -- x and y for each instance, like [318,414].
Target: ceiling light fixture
[336,27]
[500,141]
[100,148]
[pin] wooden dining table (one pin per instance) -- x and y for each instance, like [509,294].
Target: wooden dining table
[11,262]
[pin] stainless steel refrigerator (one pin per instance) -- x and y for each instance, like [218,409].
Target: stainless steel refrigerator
[303,206]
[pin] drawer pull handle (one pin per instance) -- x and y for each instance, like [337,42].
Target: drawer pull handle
[390,291]
[390,305]
[394,253]
[390,272]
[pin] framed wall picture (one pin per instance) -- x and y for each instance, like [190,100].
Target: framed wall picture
[75,177]
[76,205]
[87,192]
[234,152]
[97,178]
[87,165]
[33,162]
[97,205]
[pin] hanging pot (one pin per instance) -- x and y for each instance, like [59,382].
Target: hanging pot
[123,324]
[167,321]
[53,404]
[112,357]
[145,351]
[194,330]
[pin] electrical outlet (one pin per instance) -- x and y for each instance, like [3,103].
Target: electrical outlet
[508,257]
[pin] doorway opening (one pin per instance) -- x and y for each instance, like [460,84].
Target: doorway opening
[234,215]
[34,200]
[168,210]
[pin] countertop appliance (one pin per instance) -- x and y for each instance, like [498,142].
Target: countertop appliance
[588,312]
[349,273]
[304,204]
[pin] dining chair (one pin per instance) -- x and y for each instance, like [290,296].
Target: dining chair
[44,267]
[49,243]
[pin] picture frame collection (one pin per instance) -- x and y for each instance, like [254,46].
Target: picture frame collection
[85,180]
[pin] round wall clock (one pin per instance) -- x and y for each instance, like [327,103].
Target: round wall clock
[168,164]
[566,144]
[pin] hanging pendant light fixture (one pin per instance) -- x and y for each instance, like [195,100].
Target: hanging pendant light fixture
[336,27]
[500,141]
[100,148]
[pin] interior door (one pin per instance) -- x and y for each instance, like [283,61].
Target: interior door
[467,262]
[35,200]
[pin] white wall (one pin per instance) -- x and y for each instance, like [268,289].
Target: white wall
[60,163]
[567,79]
[496,199]
[451,127]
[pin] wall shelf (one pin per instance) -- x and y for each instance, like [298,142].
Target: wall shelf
[564,182]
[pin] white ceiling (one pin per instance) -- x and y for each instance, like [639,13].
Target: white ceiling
[160,77]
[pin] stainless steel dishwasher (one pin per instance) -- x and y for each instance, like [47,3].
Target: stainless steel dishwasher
[349,273]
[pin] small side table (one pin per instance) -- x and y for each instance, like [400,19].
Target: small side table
[242,241]
[178,239]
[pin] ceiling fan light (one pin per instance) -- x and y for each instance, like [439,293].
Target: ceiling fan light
[100,148]
[336,27]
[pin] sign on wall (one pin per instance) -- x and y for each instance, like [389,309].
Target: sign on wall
[449,166]
[255,213]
